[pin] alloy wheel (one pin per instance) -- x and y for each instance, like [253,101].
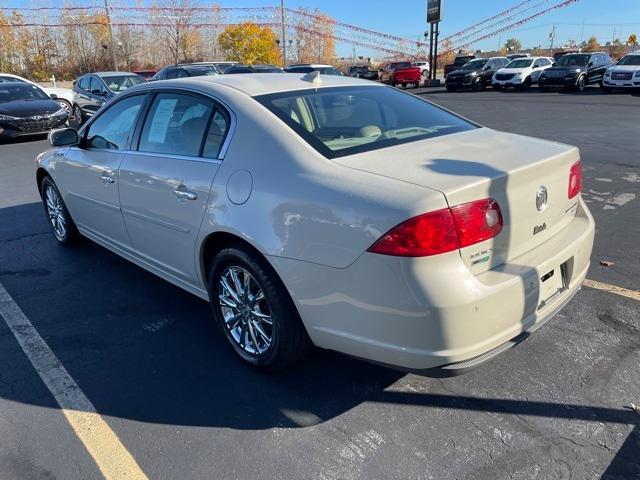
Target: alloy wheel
[55,210]
[245,310]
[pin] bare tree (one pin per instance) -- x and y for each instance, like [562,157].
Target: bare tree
[176,30]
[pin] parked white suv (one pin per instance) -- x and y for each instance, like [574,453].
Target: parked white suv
[62,96]
[521,72]
[625,74]
[423,65]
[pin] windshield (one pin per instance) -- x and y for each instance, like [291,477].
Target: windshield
[119,83]
[630,60]
[519,64]
[339,121]
[21,91]
[573,60]
[474,64]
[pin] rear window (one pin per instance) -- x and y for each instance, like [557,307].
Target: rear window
[340,121]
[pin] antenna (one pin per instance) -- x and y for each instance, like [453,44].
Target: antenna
[312,77]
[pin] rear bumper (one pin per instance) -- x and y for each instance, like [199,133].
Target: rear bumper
[418,314]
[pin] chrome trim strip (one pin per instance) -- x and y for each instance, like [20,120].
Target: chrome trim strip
[155,220]
[172,156]
[93,200]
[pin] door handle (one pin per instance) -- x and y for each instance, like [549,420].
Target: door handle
[106,176]
[185,194]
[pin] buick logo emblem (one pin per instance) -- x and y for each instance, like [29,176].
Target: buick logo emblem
[541,198]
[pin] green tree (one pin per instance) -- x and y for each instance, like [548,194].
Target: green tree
[513,45]
[249,43]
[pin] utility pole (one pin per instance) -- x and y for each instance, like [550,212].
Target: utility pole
[113,44]
[284,40]
[552,37]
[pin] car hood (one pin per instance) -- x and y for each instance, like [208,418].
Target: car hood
[625,68]
[513,70]
[28,108]
[566,69]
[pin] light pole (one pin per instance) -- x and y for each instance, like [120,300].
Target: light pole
[113,45]
[284,40]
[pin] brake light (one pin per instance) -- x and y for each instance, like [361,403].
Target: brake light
[421,236]
[442,231]
[477,221]
[575,180]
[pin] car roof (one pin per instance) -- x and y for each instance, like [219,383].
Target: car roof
[264,83]
[312,65]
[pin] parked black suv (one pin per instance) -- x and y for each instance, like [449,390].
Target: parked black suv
[362,71]
[476,74]
[93,90]
[576,70]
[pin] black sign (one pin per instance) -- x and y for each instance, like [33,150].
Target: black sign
[434,11]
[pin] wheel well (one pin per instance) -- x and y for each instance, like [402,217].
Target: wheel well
[40,175]
[216,242]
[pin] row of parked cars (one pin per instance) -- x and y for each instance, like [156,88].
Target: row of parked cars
[28,109]
[572,70]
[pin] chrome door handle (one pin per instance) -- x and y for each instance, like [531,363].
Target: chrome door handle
[185,194]
[106,177]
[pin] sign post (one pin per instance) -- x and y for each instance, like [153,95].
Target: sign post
[434,16]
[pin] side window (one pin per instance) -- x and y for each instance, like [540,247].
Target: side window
[216,134]
[182,73]
[84,83]
[170,73]
[175,124]
[538,63]
[113,127]
[96,84]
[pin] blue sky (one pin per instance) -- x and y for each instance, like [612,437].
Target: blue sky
[407,17]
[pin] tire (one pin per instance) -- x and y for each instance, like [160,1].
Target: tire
[269,347]
[62,225]
[66,105]
[580,84]
[526,84]
[478,85]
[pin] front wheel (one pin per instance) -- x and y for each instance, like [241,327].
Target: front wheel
[581,83]
[254,310]
[479,85]
[526,84]
[606,89]
[61,223]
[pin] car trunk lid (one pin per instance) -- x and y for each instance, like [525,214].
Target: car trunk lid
[483,163]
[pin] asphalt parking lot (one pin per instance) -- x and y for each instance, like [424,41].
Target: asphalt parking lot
[150,360]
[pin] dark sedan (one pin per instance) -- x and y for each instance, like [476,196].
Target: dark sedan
[576,70]
[26,110]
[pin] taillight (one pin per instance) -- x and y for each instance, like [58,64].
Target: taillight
[428,234]
[477,221]
[575,180]
[442,231]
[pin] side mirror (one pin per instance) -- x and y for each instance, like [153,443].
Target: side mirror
[590,64]
[53,96]
[63,137]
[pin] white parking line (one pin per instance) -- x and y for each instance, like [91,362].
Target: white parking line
[111,457]
[624,292]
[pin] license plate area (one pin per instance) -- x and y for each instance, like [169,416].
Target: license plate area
[552,284]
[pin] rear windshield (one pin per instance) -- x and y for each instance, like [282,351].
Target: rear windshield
[401,65]
[340,121]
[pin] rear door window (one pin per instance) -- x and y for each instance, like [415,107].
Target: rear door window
[176,124]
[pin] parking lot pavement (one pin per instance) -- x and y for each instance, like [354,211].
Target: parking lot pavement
[152,364]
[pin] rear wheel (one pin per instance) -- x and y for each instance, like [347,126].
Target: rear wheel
[61,223]
[254,310]
[527,83]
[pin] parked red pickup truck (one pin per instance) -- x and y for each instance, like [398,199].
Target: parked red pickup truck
[400,73]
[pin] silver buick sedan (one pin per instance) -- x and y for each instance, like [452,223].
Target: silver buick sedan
[328,211]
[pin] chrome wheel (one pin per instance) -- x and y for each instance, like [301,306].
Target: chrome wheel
[65,105]
[55,210]
[246,313]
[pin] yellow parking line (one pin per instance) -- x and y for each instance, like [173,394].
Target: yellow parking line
[104,446]
[623,292]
